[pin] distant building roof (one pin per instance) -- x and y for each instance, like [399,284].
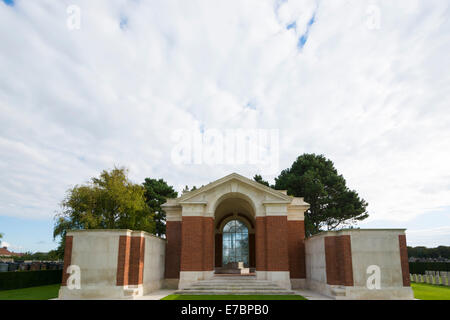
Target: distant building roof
[6,253]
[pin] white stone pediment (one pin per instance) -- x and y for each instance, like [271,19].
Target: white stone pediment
[234,183]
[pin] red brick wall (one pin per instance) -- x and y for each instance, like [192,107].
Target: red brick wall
[130,261]
[260,243]
[173,249]
[404,260]
[218,250]
[123,261]
[338,258]
[296,241]
[67,259]
[137,253]
[197,244]
[208,244]
[251,249]
[277,256]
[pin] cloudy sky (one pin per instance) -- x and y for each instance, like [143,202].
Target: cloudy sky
[86,85]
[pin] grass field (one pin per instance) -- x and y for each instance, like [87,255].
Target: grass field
[33,293]
[233,297]
[425,291]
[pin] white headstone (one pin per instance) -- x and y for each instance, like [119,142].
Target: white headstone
[437,279]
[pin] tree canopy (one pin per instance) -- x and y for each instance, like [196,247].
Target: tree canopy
[259,178]
[110,201]
[426,253]
[156,192]
[333,204]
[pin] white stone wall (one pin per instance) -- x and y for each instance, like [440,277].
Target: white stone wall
[154,263]
[369,247]
[380,248]
[96,253]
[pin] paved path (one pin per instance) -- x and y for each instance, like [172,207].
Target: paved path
[156,295]
[311,295]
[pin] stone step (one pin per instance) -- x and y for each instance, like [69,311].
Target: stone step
[236,284]
[338,291]
[234,288]
[237,292]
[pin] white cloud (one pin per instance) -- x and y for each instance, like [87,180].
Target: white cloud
[374,101]
[4,244]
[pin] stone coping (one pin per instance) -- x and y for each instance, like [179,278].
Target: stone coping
[350,231]
[120,231]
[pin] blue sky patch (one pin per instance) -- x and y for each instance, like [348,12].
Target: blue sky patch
[304,37]
[9,2]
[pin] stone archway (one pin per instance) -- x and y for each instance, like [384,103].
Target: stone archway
[233,208]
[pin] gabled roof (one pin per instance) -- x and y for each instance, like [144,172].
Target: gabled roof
[234,176]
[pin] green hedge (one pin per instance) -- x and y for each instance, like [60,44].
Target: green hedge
[26,279]
[421,267]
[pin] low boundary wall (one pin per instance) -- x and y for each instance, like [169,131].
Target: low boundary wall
[359,264]
[112,264]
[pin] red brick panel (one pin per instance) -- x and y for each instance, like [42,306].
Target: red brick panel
[218,250]
[173,249]
[296,241]
[338,258]
[330,261]
[123,261]
[251,250]
[67,259]
[277,255]
[208,244]
[192,244]
[260,243]
[404,260]
[137,253]
[344,251]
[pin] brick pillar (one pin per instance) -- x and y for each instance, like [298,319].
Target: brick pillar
[277,257]
[218,250]
[123,261]
[404,260]
[260,244]
[130,260]
[208,243]
[137,253]
[197,244]
[338,259]
[251,249]
[296,247]
[67,259]
[173,249]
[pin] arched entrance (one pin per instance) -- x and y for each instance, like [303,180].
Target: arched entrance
[235,244]
[234,235]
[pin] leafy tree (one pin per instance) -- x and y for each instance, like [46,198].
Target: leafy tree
[156,192]
[1,235]
[333,204]
[110,201]
[258,178]
[427,253]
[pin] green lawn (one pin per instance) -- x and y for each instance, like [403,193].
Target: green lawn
[422,291]
[33,293]
[233,297]
[425,291]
